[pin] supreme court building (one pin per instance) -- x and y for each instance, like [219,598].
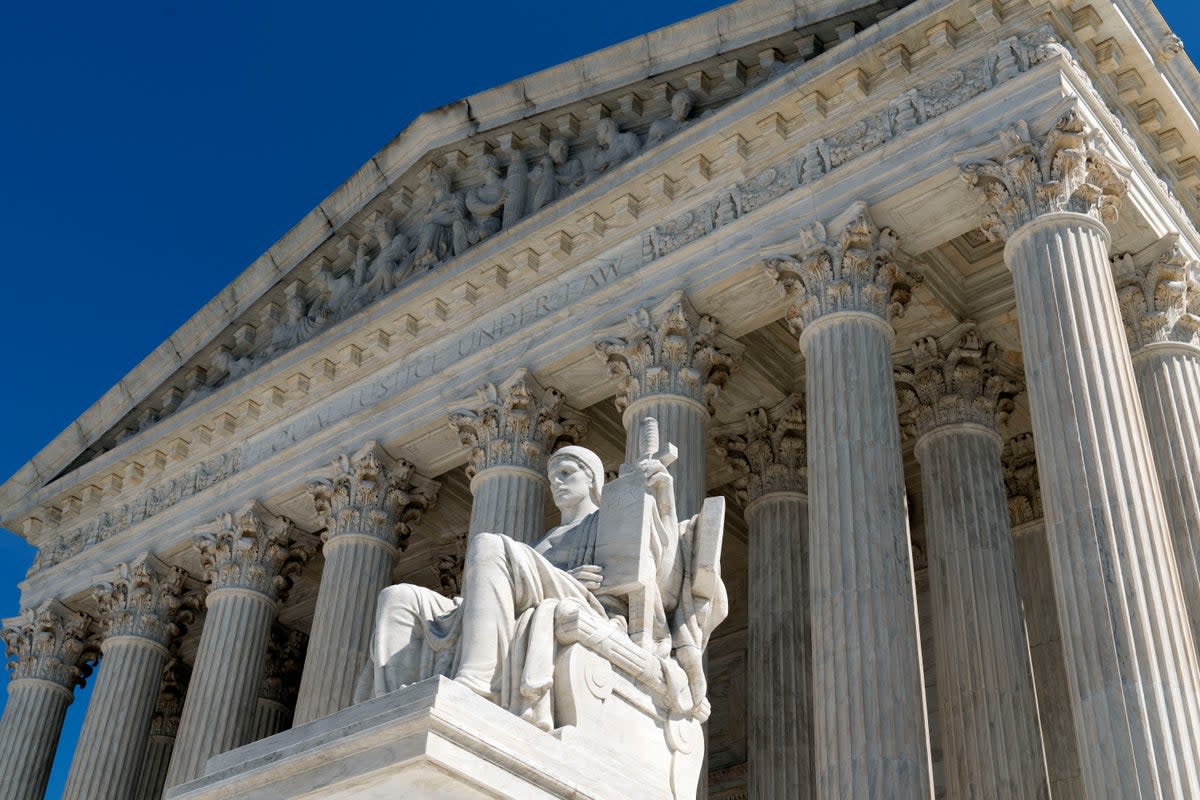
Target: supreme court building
[912,285]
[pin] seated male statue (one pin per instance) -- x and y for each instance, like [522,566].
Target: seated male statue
[498,639]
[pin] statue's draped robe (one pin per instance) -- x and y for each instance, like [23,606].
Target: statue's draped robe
[499,639]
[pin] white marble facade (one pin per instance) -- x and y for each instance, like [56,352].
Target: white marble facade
[912,286]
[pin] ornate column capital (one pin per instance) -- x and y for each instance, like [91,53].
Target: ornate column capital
[252,549]
[285,661]
[1065,170]
[1021,479]
[769,449]
[140,598]
[50,643]
[374,494]
[1160,303]
[516,423]
[668,349]
[958,380]
[852,266]
[165,722]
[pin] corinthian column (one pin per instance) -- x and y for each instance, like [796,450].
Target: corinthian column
[368,507]
[164,725]
[1161,308]
[670,363]
[52,654]
[868,690]
[137,604]
[955,397]
[1032,554]
[248,559]
[281,678]
[1129,648]
[511,430]
[769,449]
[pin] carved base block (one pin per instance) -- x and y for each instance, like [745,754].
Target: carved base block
[432,739]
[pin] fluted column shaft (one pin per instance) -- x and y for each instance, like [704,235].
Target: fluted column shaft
[683,422]
[29,731]
[1129,650]
[113,739]
[780,719]
[270,718]
[1034,576]
[1168,379]
[870,727]
[154,768]
[990,733]
[510,500]
[357,568]
[223,695]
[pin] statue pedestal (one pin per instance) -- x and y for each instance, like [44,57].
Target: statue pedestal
[432,739]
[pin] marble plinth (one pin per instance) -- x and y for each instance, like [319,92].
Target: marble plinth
[435,738]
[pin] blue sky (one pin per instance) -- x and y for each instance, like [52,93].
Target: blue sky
[149,152]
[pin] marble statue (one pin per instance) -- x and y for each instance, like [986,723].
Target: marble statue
[486,201]
[643,586]
[443,227]
[682,104]
[297,326]
[394,262]
[556,175]
[612,146]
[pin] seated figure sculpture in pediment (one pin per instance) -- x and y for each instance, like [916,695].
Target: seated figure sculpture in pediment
[620,595]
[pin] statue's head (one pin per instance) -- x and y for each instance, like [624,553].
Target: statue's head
[682,103]
[575,473]
[606,131]
[558,150]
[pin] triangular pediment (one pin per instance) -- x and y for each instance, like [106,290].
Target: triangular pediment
[454,177]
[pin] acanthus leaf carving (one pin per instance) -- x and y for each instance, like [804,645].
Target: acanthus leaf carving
[51,643]
[1021,479]
[961,381]
[768,449]
[516,423]
[164,723]
[1161,301]
[671,349]
[857,267]
[252,549]
[1065,170]
[374,494]
[141,598]
[285,661]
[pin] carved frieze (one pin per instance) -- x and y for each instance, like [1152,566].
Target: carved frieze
[1021,479]
[1066,170]
[50,643]
[670,349]
[140,598]
[817,157]
[146,504]
[768,449]
[852,267]
[373,494]
[1161,301]
[252,549]
[963,380]
[516,423]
